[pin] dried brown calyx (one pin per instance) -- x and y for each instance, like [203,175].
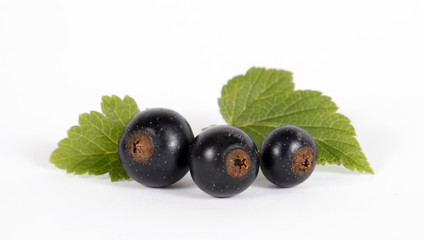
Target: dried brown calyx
[140,147]
[303,161]
[237,163]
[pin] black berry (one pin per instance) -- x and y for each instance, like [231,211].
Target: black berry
[288,156]
[153,148]
[223,161]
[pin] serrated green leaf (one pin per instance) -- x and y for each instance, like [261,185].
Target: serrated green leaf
[91,147]
[264,99]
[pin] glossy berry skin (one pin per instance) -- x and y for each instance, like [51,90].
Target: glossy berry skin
[223,161]
[288,156]
[153,147]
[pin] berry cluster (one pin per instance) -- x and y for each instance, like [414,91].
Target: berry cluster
[157,148]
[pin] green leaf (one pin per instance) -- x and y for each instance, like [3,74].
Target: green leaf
[265,99]
[91,147]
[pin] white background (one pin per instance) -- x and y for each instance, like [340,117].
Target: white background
[57,58]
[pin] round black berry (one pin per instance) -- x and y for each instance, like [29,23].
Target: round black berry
[223,161]
[153,148]
[288,156]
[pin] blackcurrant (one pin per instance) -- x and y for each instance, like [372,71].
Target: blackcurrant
[288,156]
[223,161]
[153,148]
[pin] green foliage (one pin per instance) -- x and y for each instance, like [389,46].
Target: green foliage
[264,99]
[91,147]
